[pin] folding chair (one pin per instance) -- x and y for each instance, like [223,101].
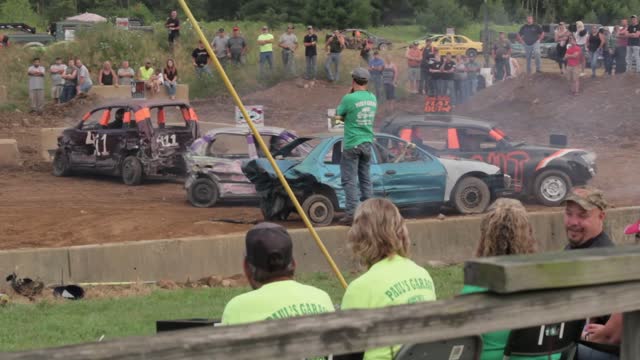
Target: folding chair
[171,325]
[467,348]
[545,340]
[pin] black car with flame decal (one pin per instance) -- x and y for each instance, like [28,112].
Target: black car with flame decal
[130,138]
[545,172]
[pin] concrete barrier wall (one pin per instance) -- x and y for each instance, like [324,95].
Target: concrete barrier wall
[9,154]
[449,240]
[49,142]
[124,92]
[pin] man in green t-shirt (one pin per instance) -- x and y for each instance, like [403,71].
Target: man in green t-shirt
[265,40]
[358,111]
[269,267]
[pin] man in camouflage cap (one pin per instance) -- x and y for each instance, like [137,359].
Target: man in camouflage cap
[584,219]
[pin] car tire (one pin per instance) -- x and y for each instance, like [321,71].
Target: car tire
[319,209]
[551,187]
[472,52]
[132,171]
[471,195]
[203,193]
[61,164]
[383,47]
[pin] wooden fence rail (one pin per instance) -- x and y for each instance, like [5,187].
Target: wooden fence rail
[350,331]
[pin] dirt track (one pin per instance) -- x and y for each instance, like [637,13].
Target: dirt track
[39,210]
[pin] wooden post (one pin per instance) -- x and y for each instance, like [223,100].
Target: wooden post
[630,349]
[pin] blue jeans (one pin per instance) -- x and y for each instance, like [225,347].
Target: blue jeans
[633,53]
[354,166]
[531,51]
[85,87]
[376,81]
[289,62]
[68,93]
[587,353]
[266,58]
[593,61]
[171,88]
[311,67]
[200,70]
[333,58]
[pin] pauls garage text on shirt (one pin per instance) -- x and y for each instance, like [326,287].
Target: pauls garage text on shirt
[405,286]
[298,310]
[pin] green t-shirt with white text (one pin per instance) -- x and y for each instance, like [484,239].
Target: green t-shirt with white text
[276,300]
[358,110]
[392,281]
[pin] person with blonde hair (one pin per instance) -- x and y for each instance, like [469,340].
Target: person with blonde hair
[504,230]
[379,240]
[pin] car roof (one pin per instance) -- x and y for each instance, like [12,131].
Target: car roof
[140,103]
[436,120]
[242,130]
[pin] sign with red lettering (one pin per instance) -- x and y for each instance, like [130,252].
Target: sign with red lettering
[437,104]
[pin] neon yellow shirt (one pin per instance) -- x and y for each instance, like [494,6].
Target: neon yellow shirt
[392,281]
[145,74]
[276,300]
[266,47]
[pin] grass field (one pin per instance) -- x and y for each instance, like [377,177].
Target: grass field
[47,324]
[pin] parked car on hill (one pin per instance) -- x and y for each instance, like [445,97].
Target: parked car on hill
[546,172]
[214,163]
[129,138]
[355,38]
[407,175]
[454,44]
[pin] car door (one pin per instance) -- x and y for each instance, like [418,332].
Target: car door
[460,45]
[446,45]
[409,175]
[83,149]
[110,140]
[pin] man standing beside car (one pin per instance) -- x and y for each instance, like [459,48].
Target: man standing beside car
[358,111]
[530,35]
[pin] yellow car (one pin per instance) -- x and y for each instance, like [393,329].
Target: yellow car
[455,44]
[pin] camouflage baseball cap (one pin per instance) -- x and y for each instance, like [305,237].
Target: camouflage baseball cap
[587,197]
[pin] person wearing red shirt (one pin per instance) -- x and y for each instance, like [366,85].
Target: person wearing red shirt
[573,57]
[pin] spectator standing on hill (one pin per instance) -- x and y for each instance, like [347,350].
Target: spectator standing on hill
[334,47]
[4,41]
[633,36]
[269,267]
[173,26]
[358,110]
[596,43]
[237,47]
[365,51]
[390,81]
[265,41]
[200,58]
[504,230]
[145,73]
[530,35]
[448,78]
[289,43]
[57,82]
[311,54]
[435,74]
[126,74]
[426,83]
[460,79]
[500,52]
[107,76]
[376,66]
[380,242]
[609,50]
[414,58]
[170,77]
[621,47]
[70,77]
[220,45]
[572,57]
[84,78]
[581,35]
[36,85]
[473,71]
[561,36]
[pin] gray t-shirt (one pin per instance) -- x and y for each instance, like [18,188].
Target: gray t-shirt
[289,40]
[125,80]
[84,73]
[220,46]
[36,82]
[236,44]
[56,78]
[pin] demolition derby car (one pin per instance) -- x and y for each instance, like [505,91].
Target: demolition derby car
[214,163]
[131,139]
[545,172]
[407,175]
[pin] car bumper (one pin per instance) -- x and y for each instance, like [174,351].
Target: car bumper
[500,184]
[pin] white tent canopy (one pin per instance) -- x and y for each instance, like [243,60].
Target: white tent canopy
[87,17]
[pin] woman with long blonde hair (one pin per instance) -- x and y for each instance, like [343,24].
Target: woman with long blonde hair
[379,240]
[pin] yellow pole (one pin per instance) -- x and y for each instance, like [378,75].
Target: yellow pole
[261,143]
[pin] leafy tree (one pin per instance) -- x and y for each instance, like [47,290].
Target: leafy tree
[60,9]
[19,11]
[441,14]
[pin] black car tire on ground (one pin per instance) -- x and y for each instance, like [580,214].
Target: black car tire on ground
[203,193]
[551,187]
[132,170]
[319,209]
[471,195]
[472,52]
[61,164]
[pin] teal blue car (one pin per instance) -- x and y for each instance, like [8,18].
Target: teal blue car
[400,171]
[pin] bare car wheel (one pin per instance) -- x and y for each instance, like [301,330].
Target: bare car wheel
[471,195]
[472,52]
[319,209]
[132,170]
[61,164]
[551,187]
[203,193]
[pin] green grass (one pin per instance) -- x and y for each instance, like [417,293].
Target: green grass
[47,324]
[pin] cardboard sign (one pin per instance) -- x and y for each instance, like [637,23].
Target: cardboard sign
[122,23]
[437,104]
[334,125]
[256,113]
[451,31]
